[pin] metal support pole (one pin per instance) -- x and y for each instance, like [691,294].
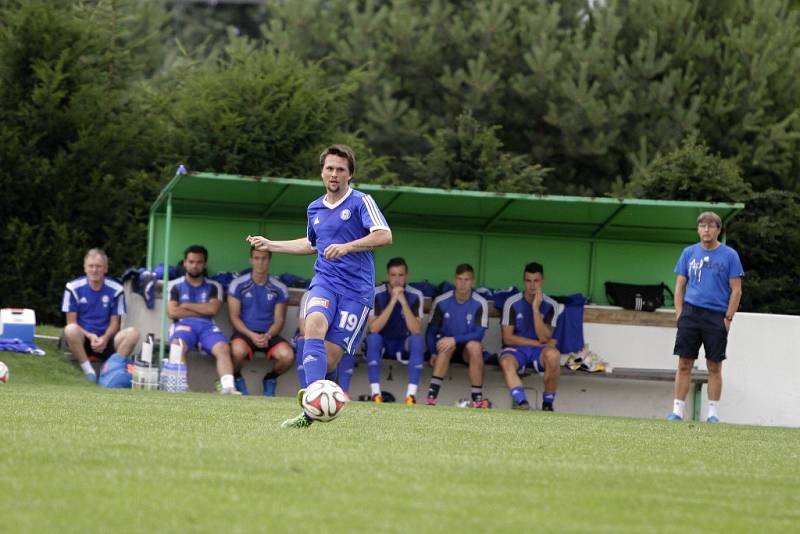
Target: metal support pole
[165,280]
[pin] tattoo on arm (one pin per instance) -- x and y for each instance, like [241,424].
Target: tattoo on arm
[363,247]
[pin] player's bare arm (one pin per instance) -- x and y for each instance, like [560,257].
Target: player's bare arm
[543,331]
[376,239]
[413,323]
[377,322]
[297,247]
[206,308]
[509,338]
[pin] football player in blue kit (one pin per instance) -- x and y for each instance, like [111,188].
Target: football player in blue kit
[344,227]
[257,310]
[459,319]
[708,288]
[395,326]
[529,318]
[193,302]
[94,306]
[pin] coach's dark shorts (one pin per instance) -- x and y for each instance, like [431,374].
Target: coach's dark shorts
[102,356]
[273,342]
[698,326]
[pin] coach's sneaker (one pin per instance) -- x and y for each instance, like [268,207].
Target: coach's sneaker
[229,391]
[377,398]
[301,421]
[431,401]
[411,400]
[270,385]
[674,417]
[712,419]
[241,385]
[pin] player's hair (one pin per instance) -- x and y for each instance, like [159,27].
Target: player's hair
[253,249]
[465,268]
[96,252]
[343,151]
[396,262]
[533,268]
[196,249]
[709,217]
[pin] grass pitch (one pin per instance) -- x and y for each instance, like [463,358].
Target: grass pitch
[77,458]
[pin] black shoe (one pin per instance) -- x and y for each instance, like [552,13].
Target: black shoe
[547,406]
[524,405]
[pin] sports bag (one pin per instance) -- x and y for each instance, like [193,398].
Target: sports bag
[640,297]
[116,372]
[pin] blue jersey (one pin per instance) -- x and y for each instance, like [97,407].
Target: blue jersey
[395,327]
[94,308]
[708,273]
[353,217]
[467,321]
[258,301]
[180,290]
[518,312]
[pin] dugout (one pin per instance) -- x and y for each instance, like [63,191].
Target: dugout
[582,242]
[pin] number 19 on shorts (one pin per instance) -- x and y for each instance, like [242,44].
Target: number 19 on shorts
[348,321]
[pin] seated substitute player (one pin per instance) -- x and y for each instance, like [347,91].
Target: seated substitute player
[395,329]
[94,306]
[193,302]
[459,319]
[529,318]
[257,310]
[344,227]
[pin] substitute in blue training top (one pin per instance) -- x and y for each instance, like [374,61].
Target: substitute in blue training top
[94,306]
[708,289]
[344,227]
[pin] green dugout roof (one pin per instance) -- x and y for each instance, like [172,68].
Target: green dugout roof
[654,221]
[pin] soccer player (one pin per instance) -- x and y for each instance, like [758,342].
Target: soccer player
[708,289]
[395,329]
[344,227]
[459,319]
[529,318]
[257,309]
[94,306]
[193,302]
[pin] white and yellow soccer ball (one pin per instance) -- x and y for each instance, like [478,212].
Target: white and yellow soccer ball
[3,373]
[324,400]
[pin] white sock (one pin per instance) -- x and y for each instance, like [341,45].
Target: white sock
[375,389]
[712,408]
[412,390]
[87,368]
[678,406]
[226,381]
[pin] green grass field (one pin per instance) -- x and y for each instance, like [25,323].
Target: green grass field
[77,458]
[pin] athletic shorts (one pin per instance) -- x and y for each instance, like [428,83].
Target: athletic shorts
[347,318]
[526,356]
[205,334]
[273,342]
[458,354]
[92,355]
[394,349]
[698,326]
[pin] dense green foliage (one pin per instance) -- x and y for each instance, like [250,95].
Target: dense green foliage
[669,99]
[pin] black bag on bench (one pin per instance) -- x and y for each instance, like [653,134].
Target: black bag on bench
[636,296]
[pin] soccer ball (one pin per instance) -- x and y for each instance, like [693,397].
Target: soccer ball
[323,400]
[3,373]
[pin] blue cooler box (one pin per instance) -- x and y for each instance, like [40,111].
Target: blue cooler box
[17,323]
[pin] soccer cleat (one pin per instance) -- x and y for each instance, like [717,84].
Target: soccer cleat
[483,403]
[410,400]
[91,377]
[229,391]
[300,393]
[712,419]
[377,398]
[270,385]
[674,417]
[431,401]
[241,385]
[524,405]
[301,421]
[547,407]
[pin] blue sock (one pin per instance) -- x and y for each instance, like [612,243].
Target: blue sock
[518,394]
[345,370]
[374,350]
[416,356]
[549,398]
[298,361]
[315,360]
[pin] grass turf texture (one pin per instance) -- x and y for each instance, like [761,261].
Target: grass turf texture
[74,457]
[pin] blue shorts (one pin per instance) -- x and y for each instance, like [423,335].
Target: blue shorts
[206,334]
[526,356]
[347,318]
[396,349]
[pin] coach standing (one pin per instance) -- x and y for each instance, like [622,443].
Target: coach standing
[707,293]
